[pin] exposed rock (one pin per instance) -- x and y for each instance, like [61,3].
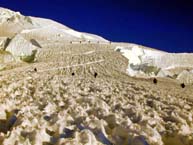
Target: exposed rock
[35,43]
[4,41]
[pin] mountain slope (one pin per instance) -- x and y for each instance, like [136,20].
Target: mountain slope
[12,23]
[59,86]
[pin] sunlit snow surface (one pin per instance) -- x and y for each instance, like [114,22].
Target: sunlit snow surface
[60,86]
[149,62]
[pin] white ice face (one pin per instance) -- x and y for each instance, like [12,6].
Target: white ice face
[132,54]
[144,61]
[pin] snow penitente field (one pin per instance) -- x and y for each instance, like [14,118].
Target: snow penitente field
[59,86]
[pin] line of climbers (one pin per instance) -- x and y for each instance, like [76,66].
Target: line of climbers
[155,81]
[90,42]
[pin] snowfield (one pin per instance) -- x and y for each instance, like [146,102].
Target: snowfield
[63,87]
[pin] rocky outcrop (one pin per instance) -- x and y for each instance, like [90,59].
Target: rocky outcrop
[4,41]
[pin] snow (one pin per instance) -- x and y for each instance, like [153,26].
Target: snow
[133,54]
[71,66]
[20,47]
[57,34]
[12,23]
[143,61]
[5,13]
[74,33]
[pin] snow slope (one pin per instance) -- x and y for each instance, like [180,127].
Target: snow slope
[142,61]
[79,93]
[12,23]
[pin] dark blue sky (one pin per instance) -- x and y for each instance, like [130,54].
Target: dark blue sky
[159,24]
